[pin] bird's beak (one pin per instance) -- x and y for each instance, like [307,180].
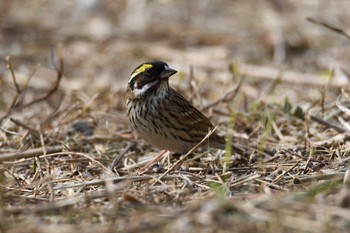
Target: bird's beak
[167,72]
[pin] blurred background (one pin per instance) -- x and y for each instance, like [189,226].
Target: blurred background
[104,40]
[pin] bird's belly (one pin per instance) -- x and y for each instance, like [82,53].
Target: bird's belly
[164,141]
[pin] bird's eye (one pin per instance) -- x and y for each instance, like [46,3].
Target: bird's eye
[148,71]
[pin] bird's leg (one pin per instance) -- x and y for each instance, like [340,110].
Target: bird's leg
[152,162]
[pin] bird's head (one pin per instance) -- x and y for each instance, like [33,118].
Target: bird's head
[148,77]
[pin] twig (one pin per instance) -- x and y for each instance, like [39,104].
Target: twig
[228,96]
[60,70]
[103,181]
[245,179]
[331,27]
[191,83]
[53,206]
[278,80]
[53,114]
[272,185]
[328,124]
[32,130]
[9,66]
[344,123]
[83,155]
[30,153]
[341,106]
[335,176]
[285,172]
[121,155]
[339,138]
[18,90]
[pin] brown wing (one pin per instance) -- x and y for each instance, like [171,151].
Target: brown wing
[187,120]
[189,123]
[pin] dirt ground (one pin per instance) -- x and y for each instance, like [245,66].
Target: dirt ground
[273,75]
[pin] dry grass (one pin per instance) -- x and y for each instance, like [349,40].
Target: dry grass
[69,161]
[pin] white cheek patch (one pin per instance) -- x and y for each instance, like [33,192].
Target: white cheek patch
[144,89]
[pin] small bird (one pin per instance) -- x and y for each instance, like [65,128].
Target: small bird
[161,115]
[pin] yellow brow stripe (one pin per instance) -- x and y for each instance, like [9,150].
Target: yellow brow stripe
[140,70]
